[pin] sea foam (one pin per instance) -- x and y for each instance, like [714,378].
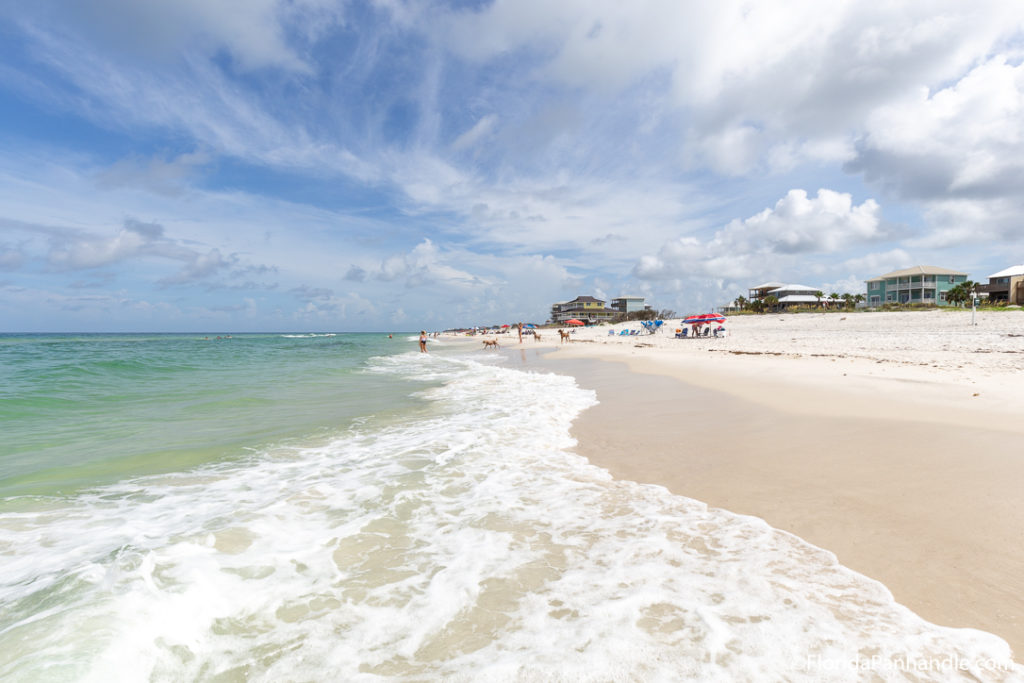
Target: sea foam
[466,542]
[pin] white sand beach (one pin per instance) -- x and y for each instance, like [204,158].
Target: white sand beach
[892,439]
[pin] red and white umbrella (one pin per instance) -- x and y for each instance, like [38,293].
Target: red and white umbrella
[704,318]
[574,321]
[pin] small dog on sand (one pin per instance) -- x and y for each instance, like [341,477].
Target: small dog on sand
[490,344]
[564,336]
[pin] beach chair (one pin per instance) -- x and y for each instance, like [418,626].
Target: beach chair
[624,333]
[707,331]
[681,333]
[611,332]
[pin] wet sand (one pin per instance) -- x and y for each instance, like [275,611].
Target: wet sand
[930,508]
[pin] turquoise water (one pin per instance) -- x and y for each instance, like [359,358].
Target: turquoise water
[84,410]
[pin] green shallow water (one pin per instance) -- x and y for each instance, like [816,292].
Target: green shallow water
[83,410]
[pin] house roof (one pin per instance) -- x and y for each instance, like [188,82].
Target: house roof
[918,270]
[768,285]
[585,300]
[1009,272]
[794,288]
[628,297]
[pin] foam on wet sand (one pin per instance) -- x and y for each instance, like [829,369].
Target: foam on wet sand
[891,439]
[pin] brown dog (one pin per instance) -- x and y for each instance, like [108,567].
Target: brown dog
[564,336]
[490,344]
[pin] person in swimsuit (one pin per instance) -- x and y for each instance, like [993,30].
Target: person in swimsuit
[423,341]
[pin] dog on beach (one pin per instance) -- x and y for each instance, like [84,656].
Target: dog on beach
[490,344]
[564,336]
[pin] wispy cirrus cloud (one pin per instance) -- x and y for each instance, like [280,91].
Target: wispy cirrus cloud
[428,157]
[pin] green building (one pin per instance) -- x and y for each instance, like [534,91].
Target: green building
[917,285]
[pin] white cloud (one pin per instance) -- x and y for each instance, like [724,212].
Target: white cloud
[796,224]
[157,174]
[959,151]
[751,76]
[77,250]
[877,263]
[425,264]
[966,140]
[480,130]
[253,32]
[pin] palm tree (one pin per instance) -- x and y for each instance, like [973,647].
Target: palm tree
[819,294]
[858,298]
[771,301]
[848,300]
[955,295]
[962,294]
[740,302]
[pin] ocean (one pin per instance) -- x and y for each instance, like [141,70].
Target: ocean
[310,507]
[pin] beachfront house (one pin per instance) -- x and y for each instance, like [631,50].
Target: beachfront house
[796,295]
[1006,286]
[786,295]
[759,292]
[917,285]
[585,308]
[628,304]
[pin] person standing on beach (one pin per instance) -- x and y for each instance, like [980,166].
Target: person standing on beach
[519,329]
[423,341]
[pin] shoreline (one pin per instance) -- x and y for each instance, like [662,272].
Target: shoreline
[908,473]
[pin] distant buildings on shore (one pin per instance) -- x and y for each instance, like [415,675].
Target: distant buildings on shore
[917,285]
[592,310]
[927,285]
[1005,286]
[785,294]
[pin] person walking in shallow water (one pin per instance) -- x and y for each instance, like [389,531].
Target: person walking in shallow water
[423,341]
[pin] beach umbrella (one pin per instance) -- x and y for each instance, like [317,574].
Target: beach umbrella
[504,326]
[574,321]
[704,318]
[530,325]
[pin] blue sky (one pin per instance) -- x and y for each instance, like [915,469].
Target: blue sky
[206,165]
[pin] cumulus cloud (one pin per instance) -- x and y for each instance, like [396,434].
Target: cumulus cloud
[424,265]
[752,78]
[958,150]
[331,309]
[80,251]
[963,141]
[74,250]
[797,224]
[877,263]
[355,274]
[199,266]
